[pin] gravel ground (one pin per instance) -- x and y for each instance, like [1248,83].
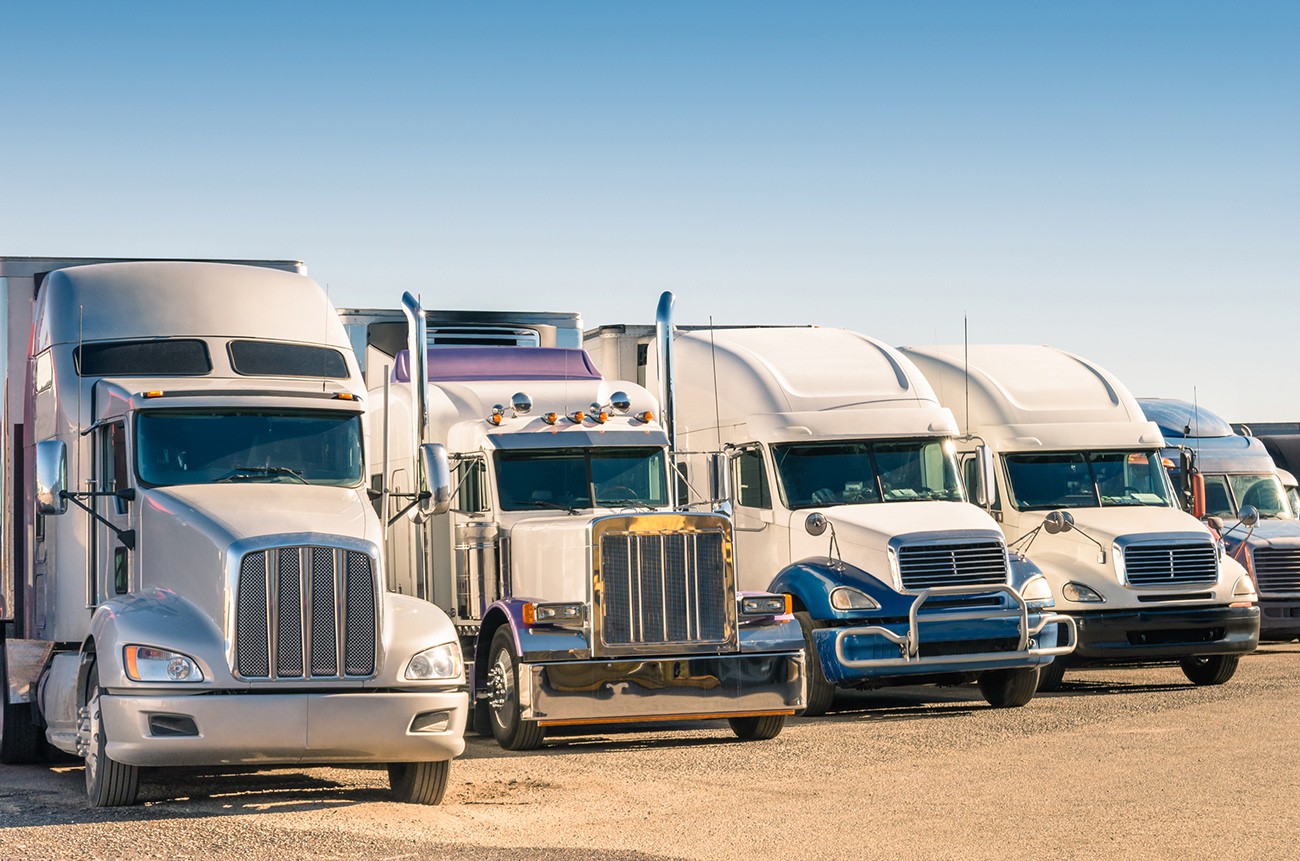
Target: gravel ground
[1121,762]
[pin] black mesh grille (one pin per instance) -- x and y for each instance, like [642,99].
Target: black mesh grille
[1276,569]
[972,563]
[288,625]
[663,588]
[1170,564]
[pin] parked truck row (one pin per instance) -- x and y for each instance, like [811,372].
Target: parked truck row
[244,528]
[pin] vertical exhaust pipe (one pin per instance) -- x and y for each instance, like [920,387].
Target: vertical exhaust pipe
[664,340]
[417,345]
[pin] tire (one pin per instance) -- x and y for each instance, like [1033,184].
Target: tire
[1008,689]
[820,693]
[108,783]
[1051,675]
[1210,669]
[759,728]
[510,730]
[419,782]
[480,718]
[21,740]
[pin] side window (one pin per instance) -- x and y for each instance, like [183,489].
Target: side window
[751,479]
[115,475]
[468,478]
[970,475]
[1218,503]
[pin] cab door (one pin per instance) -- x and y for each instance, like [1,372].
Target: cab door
[762,544]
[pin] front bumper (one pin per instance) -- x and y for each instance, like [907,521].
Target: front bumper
[1280,619]
[960,640]
[1126,635]
[286,729]
[628,690]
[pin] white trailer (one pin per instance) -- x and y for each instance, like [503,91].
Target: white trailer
[583,594]
[1081,489]
[192,569]
[846,497]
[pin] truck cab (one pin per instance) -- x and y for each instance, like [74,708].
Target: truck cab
[1247,498]
[1081,491]
[582,591]
[847,497]
[200,579]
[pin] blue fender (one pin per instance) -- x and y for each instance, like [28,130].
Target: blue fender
[812,580]
[164,619]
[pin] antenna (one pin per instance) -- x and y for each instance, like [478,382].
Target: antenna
[965,336]
[717,412]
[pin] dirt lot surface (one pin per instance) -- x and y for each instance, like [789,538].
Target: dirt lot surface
[1121,763]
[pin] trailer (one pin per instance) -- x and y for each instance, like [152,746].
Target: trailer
[192,568]
[582,592]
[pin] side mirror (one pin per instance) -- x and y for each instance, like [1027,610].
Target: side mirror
[1198,495]
[1249,516]
[986,486]
[1058,521]
[719,477]
[816,523]
[51,476]
[435,478]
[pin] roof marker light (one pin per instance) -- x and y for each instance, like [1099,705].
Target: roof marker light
[498,413]
[551,418]
[153,394]
[646,416]
[577,417]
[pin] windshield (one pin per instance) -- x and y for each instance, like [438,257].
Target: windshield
[207,446]
[1226,494]
[841,473]
[1077,479]
[581,478]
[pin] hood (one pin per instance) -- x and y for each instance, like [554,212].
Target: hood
[1267,533]
[187,531]
[863,532]
[1107,524]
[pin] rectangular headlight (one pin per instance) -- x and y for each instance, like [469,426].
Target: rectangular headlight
[765,605]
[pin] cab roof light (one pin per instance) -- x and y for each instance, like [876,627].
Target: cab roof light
[598,414]
[577,417]
[346,396]
[498,414]
[646,416]
[153,394]
[551,418]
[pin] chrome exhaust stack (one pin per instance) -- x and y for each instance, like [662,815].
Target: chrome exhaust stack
[668,404]
[417,345]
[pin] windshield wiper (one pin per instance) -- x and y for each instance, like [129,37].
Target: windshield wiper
[243,472]
[634,503]
[543,503]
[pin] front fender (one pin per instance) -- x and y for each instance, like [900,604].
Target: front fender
[412,626]
[161,618]
[812,580]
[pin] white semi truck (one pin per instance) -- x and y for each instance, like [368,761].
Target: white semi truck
[1082,491]
[582,593]
[846,497]
[192,568]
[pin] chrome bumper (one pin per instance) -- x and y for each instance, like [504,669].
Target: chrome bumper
[621,691]
[909,643]
[277,729]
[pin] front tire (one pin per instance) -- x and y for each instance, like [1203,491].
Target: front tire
[820,693]
[419,782]
[510,730]
[1210,669]
[758,728]
[108,783]
[1051,675]
[1008,689]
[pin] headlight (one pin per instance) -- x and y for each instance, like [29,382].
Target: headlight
[1036,589]
[848,598]
[553,614]
[148,664]
[1081,594]
[1244,588]
[765,605]
[440,662]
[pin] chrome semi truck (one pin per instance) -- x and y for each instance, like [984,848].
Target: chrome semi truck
[583,593]
[192,568]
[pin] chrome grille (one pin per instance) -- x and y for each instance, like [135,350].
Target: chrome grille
[967,563]
[663,588]
[1170,564]
[1276,569]
[302,612]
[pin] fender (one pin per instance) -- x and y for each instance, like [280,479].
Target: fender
[532,643]
[812,580]
[162,618]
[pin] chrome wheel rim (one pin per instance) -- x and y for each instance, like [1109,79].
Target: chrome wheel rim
[501,686]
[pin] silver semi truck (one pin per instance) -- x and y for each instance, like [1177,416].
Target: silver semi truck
[192,572]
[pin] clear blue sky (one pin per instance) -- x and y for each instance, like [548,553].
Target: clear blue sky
[1117,179]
